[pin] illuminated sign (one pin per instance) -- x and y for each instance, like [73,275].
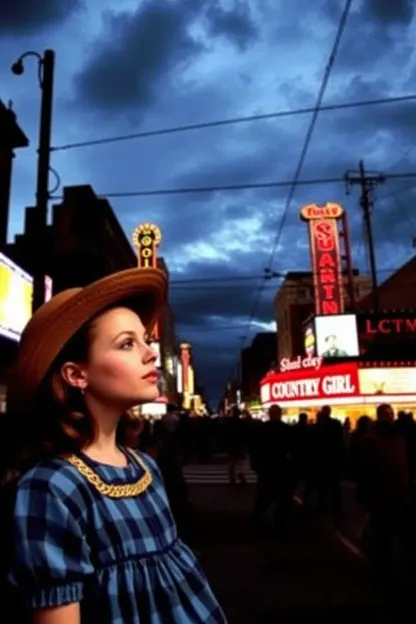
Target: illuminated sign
[325,256]
[16,291]
[179,378]
[339,384]
[146,238]
[329,382]
[48,288]
[390,325]
[387,335]
[336,336]
[327,211]
[300,362]
[156,348]
[388,381]
[309,341]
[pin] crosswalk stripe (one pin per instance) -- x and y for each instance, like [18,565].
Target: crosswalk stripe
[198,474]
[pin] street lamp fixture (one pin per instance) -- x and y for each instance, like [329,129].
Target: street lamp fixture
[18,67]
[46,64]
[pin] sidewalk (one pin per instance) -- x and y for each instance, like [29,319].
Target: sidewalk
[263,580]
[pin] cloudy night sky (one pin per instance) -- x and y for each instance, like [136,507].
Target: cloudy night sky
[127,66]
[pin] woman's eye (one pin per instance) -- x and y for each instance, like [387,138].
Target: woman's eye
[127,344]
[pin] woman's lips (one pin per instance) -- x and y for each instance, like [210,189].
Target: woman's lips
[151,378]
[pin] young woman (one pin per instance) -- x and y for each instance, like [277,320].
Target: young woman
[94,538]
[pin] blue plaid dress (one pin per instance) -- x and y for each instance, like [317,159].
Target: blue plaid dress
[118,555]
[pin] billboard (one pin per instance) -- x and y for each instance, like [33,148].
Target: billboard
[388,381]
[16,292]
[325,256]
[337,336]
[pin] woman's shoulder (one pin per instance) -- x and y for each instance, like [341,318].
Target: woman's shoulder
[53,475]
[144,458]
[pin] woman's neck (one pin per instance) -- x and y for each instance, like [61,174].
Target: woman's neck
[104,447]
[106,451]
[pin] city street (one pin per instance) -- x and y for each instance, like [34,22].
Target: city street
[310,573]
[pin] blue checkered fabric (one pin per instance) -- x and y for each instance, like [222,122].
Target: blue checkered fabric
[120,558]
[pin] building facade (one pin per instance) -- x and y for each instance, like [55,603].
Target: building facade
[83,243]
[11,137]
[255,362]
[396,292]
[294,304]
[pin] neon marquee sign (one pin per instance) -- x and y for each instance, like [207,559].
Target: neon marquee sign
[325,256]
[329,382]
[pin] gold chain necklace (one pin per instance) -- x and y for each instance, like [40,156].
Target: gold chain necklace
[107,489]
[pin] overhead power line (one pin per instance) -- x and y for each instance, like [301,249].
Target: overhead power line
[306,143]
[245,278]
[232,121]
[311,126]
[236,187]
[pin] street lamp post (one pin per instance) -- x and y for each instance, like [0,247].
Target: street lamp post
[46,64]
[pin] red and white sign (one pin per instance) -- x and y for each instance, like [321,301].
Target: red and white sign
[325,256]
[325,384]
[300,363]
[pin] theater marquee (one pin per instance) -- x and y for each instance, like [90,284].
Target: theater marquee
[339,384]
[325,384]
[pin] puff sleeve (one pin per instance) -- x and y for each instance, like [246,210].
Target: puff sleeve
[51,557]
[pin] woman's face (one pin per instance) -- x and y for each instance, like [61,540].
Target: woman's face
[121,365]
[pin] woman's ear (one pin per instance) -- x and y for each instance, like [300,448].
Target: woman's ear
[74,375]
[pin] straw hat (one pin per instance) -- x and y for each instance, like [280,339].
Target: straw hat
[58,320]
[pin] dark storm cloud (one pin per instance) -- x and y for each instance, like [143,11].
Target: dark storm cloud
[398,12]
[221,306]
[375,37]
[23,17]
[142,52]
[236,25]
[173,62]
[224,301]
[136,53]
[376,12]
[241,157]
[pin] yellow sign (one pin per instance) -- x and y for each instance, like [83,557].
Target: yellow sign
[324,211]
[146,238]
[16,291]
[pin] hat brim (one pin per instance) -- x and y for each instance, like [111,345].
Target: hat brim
[58,320]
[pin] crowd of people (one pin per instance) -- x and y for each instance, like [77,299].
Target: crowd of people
[316,461]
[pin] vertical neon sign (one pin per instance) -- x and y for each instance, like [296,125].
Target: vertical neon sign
[325,256]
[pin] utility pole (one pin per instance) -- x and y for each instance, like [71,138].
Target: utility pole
[367,182]
[46,67]
[42,185]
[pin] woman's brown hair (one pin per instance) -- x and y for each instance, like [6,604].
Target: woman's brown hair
[59,422]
